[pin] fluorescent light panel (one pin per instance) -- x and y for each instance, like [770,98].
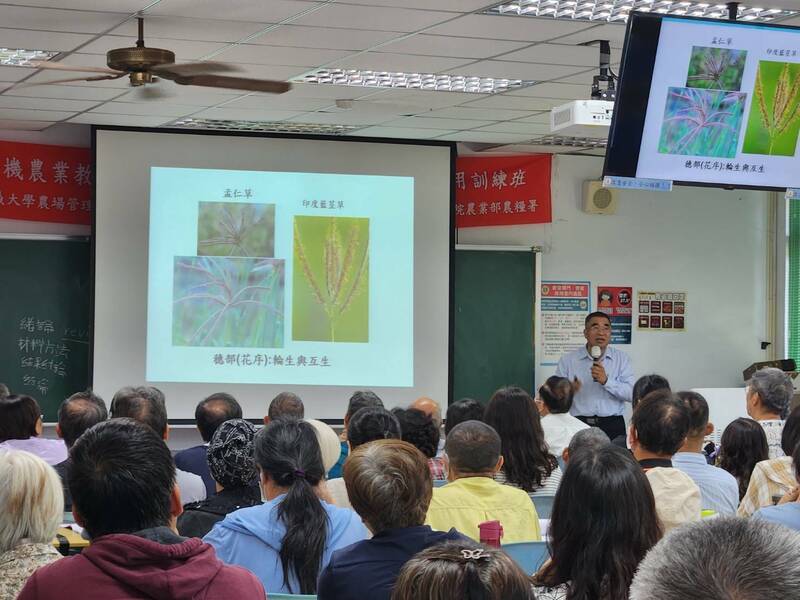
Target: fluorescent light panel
[415,81]
[20,57]
[566,141]
[618,10]
[266,126]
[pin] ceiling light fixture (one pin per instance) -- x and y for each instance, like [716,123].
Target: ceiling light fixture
[265,126]
[565,141]
[617,11]
[20,57]
[415,81]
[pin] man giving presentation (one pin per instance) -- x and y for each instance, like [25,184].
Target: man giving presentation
[605,375]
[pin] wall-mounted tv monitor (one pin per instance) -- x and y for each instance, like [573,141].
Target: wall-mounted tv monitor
[708,102]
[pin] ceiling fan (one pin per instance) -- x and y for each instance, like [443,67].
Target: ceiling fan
[145,66]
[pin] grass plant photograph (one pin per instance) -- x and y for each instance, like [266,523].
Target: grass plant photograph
[700,122]
[235,229]
[716,68]
[774,120]
[330,288]
[228,302]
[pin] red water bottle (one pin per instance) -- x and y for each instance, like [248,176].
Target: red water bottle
[490,533]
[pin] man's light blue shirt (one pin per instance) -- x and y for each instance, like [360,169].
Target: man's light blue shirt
[718,488]
[594,399]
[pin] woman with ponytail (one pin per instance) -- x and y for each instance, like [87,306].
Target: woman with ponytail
[554,401]
[290,538]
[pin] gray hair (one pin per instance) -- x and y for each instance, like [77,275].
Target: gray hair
[775,389]
[4,391]
[591,438]
[286,405]
[719,559]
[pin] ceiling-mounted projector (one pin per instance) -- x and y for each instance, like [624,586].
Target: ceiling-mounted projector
[582,118]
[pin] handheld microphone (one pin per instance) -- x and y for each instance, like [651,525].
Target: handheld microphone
[596,352]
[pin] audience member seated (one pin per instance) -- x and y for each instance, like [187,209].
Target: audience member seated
[462,571]
[718,488]
[390,488]
[743,444]
[231,463]
[658,429]
[643,386]
[367,425]
[474,456]
[431,408]
[773,478]
[290,538]
[768,395]
[527,461]
[21,426]
[209,414]
[722,559]
[285,405]
[554,401]
[787,511]
[328,443]
[603,523]
[360,399]
[592,439]
[31,506]
[78,413]
[420,429]
[465,409]
[122,480]
[146,404]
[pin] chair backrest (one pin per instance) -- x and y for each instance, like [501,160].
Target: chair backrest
[439,482]
[544,505]
[530,556]
[273,596]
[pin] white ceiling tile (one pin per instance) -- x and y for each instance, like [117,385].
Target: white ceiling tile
[432,123]
[19,125]
[184,49]
[542,117]
[50,19]
[119,6]
[384,61]
[427,99]
[245,114]
[154,108]
[478,114]
[191,29]
[440,45]
[279,55]
[57,104]
[373,17]
[41,40]
[323,37]
[517,70]
[34,115]
[516,103]
[558,91]
[461,6]
[611,32]
[402,132]
[15,73]
[485,136]
[332,92]
[557,54]
[507,28]
[68,92]
[127,120]
[584,78]
[519,127]
[280,102]
[272,11]
[343,118]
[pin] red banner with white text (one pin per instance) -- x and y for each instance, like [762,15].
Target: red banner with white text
[503,190]
[45,183]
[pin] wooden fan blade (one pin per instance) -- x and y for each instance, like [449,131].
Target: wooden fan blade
[70,80]
[236,83]
[175,70]
[42,64]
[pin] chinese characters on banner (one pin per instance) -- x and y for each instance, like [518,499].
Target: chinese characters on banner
[617,302]
[662,311]
[565,305]
[45,183]
[503,190]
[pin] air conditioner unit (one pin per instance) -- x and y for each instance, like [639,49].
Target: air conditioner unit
[598,200]
[582,118]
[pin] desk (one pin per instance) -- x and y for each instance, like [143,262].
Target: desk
[67,541]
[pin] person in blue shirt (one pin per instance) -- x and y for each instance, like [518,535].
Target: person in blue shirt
[719,490]
[360,399]
[390,487]
[606,380]
[290,538]
[787,511]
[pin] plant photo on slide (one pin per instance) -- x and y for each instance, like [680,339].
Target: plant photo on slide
[774,120]
[235,229]
[330,289]
[716,68]
[228,302]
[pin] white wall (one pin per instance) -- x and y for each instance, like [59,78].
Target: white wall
[710,243]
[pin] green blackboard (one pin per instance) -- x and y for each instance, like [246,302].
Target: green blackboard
[44,330]
[494,305]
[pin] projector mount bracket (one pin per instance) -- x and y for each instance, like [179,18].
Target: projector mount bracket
[607,76]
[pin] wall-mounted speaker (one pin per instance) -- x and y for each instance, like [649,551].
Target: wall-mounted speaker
[598,200]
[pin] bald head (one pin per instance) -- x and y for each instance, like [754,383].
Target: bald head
[430,407]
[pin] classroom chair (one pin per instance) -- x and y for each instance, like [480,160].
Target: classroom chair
[530,556]
[439,482]
[544,505]
[274,596]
